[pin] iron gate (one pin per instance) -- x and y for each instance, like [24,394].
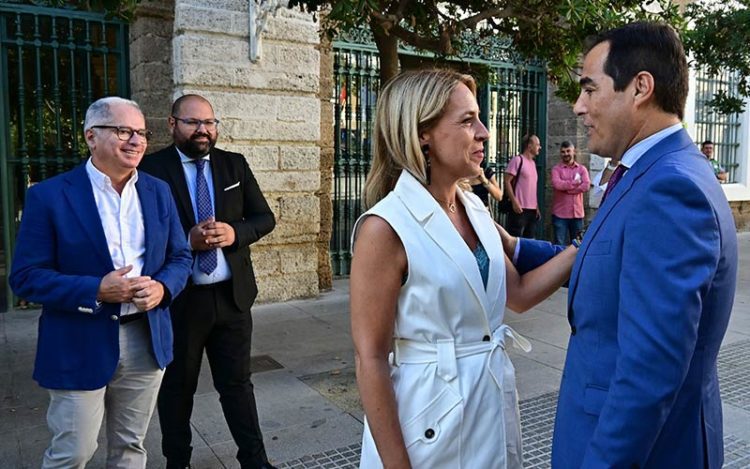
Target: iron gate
[513,101]
[53,64]
[722,129]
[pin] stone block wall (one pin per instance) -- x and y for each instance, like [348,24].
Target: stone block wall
[270,111]
[741,212]
[151,66]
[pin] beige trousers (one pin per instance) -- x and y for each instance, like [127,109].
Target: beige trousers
[127,401]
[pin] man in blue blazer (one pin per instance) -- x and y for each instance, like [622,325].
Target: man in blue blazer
[652,288]
[102,249]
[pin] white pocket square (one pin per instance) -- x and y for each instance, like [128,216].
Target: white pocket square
[236,184]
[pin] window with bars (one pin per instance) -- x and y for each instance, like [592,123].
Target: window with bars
[724,130]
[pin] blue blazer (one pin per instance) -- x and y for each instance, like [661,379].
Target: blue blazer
[60,258]
[533,252]
[649,301]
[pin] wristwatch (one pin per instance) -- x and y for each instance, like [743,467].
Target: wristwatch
[577,239]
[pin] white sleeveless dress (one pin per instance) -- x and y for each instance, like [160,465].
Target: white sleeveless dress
[453,381]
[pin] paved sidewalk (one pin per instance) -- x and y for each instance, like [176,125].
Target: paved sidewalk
[306,393]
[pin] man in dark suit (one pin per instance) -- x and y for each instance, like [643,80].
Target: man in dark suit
[101,248]
[653,285]
[222,211]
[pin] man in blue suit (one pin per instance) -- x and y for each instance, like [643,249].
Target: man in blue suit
[652,288]
[102,249]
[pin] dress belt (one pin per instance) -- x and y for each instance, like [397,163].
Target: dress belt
[446,352]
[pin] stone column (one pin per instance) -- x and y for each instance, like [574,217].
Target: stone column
[270,111]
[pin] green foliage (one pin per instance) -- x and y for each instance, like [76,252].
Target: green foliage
[549,30]
[553,31]
[718,41]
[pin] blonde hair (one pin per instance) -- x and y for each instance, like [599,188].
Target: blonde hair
[411,103]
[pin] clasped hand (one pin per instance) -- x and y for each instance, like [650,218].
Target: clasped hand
[144,292]
[211,234]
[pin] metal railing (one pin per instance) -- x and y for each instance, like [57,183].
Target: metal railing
[722,129]
[53,64]
[513,101]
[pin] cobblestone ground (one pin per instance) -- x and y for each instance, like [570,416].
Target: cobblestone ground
[538,415]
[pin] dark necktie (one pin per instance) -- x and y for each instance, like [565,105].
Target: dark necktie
[206,259]
[614,179]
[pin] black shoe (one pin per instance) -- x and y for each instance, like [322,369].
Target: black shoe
[267,466]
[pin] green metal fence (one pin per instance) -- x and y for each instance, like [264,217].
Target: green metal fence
[722,129]
[53,64]
[512,98]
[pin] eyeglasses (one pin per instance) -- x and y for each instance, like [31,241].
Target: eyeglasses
[195,124]
[126,133]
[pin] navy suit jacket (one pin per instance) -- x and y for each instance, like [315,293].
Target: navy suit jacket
[649,301]
[60,258]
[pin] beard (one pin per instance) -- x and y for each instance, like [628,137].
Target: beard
[195,149]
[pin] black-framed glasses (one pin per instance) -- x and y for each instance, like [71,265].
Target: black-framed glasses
[195,124]
[126,133]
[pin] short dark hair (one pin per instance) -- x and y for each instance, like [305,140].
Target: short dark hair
[706,142]
[651,47]
[567,144]
[526,140]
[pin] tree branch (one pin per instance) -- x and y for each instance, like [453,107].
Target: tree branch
[494,13]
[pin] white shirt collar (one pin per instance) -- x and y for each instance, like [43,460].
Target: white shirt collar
[186,159]
[634,153]
[101,180]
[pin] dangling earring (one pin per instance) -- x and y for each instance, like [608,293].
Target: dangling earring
[426,153]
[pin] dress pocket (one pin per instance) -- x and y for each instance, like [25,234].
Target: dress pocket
[435,422]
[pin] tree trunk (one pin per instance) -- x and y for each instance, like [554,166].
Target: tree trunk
[388,50]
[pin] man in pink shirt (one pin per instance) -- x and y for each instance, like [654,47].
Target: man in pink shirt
[522,192]
[569,180]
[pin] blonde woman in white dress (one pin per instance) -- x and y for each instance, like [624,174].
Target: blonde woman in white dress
[429,287]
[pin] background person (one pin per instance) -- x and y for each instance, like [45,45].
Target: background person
[221,219]
[484,185]
[522,219]
[438,301]
[569,181]
[101,249]
[707,148]
[653,286]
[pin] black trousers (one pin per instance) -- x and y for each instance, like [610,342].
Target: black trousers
[207,318]
[522,224]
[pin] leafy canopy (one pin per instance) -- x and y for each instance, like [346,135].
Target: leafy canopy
[554,31]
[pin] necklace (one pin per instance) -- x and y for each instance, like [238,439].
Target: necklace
[451,205]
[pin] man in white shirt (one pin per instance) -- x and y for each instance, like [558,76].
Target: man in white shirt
[101,249]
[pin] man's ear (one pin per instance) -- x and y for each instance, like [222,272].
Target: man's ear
[90,138]
[643,85]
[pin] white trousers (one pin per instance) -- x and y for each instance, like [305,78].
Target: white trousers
[128,400]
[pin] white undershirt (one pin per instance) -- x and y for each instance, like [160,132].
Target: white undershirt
[122,221]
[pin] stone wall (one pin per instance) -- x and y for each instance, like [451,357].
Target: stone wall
[741,212]
[325,272]
[151,65]
[270,111]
